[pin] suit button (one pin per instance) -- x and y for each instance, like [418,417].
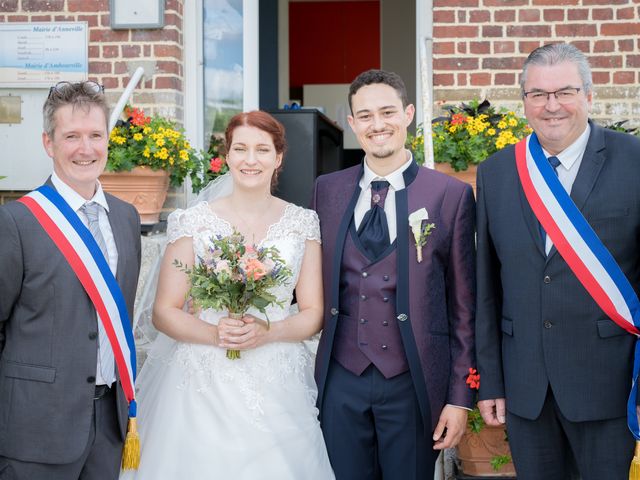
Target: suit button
[334,311]
[547,324]
[362,320]
[365,274]
[93,335]
[547,279]
[385,299]
[385,323]
[91,379]
[385,278]
[363,297]
[384,347]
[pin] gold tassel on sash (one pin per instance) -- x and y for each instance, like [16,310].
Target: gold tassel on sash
[131,452]
[634,471]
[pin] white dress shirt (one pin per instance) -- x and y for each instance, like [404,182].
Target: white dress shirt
[76,201]
[396,182]
[570,161]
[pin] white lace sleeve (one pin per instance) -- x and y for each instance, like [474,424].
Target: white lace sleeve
[310,225]
[179,224]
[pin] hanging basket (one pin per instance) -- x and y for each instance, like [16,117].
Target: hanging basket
[144,188]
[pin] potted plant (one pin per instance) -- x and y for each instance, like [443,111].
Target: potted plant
[211,165]
[146,155]
[467,135]
[483,450]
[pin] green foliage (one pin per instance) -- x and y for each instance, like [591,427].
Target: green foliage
[210,165]
[500,461]
[620,127]
[469,134]
[475,421]
[153,142]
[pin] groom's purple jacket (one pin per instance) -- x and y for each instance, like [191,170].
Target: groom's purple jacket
[435,299]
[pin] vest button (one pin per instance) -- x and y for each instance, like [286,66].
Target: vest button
[547,324]
[547,279]
[365,274]
[385,299]
[362,320]
[385,278]
[384,347]
[363,297]
[385,323]
[91,379]
[93,335]
[334,311]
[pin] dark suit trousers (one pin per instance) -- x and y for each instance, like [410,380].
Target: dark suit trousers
[100,460]
[553,448]
[373,428]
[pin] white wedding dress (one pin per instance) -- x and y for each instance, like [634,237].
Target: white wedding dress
[203,416]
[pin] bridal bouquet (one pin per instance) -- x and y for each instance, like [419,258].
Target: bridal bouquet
[232,276]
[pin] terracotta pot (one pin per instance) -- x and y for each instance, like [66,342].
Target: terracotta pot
[476,450]
[144,188]
[467,176]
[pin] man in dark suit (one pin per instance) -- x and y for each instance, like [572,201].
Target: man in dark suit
[545,348]
[398,328]
[62,408]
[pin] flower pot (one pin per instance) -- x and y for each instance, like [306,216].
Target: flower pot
[144,188]
[476,450]
[467,176]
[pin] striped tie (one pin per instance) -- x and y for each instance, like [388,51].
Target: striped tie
[106,363]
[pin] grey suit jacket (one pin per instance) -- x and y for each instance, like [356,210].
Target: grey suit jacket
[536,325]
[48,337]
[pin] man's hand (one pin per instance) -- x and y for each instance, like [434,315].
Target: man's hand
[454,420]
[493,411]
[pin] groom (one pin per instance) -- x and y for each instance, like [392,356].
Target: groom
[398,338]
[62,408]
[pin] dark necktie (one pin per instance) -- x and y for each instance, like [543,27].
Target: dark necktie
[105,353]
[374,231]
[555,163]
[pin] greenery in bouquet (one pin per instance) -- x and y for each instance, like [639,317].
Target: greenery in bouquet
[155,142]
[233,276]
[212,164]
[469,134]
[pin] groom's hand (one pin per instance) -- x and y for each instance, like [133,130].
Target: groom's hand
[451,426]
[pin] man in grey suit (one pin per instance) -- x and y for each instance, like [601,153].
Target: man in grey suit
[62,408]
[552,364]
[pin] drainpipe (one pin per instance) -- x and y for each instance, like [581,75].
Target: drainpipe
[424,72]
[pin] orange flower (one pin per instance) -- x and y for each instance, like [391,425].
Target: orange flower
[254,269]
[473,379]
[216,164]
[138,118]
[457,119]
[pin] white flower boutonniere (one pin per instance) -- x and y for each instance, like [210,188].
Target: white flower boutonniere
[420,232]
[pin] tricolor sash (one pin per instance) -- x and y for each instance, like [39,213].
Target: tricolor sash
[79,248]
[580,247]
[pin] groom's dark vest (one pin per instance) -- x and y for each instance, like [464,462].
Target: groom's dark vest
[367,332]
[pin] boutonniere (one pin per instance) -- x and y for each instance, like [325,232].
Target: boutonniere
[420,232]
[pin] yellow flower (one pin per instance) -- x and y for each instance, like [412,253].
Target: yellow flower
[119,140]
[146,130]
[513,122]
[146,152]
[502,124]
[160,141]
[491,131]
[137,137]
[184,154]
[453,128]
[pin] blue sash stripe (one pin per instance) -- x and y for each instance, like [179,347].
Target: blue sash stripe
[101,262]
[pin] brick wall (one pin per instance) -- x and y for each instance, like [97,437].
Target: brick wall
[115,54]
[480,46]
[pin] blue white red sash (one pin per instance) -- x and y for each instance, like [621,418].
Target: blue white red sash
[82,252]
[580,247]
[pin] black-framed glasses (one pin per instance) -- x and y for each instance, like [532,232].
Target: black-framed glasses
[88,87]
[564,96]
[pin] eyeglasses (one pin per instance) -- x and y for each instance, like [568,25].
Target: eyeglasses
[88,87]
[564,96]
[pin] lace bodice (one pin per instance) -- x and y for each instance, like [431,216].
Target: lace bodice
[288,234]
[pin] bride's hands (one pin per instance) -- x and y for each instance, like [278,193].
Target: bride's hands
[245,334]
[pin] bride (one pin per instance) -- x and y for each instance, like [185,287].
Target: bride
[201,415]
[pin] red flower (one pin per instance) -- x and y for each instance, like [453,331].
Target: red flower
[216,164]
[458,119]
[473,379]
[138,118]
